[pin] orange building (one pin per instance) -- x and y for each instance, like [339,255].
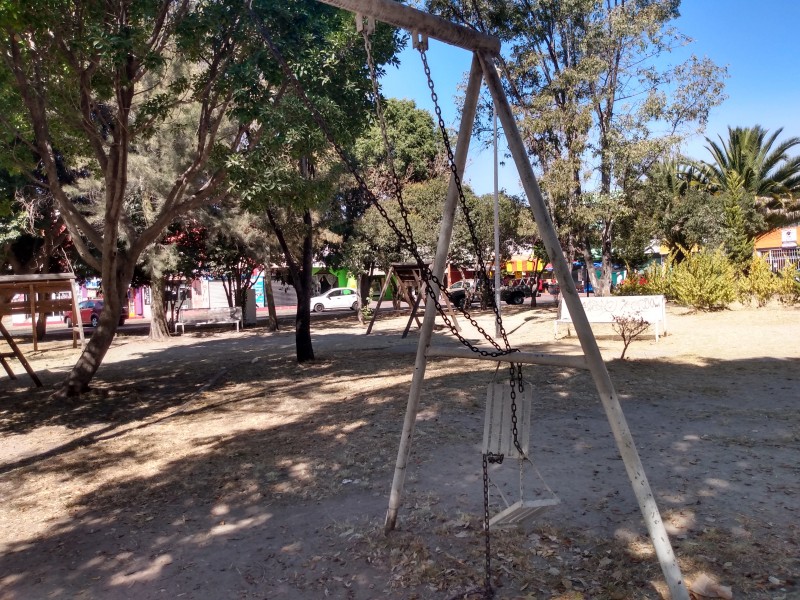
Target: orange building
[779,246]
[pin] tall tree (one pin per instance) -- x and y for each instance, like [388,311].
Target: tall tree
[596,105]
[365,241]
[677,208]
[292,175]
[753,168]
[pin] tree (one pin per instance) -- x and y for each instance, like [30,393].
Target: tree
[677,208]
[593,99]
[366,241]
[238,248]
[90,78]
[78,71]
[757,176]
[292,176]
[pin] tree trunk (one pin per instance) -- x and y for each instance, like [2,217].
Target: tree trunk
[77,382]
[159,329]
[41,326]
[270,296]
[302,335]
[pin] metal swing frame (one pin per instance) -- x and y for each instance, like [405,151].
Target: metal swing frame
[485,49]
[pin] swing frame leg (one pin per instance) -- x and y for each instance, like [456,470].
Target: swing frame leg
[445,233]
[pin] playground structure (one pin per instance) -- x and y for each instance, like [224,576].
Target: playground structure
[485,50]
[42,294]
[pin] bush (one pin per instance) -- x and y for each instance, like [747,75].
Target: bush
[788,284]
[705,280]
[659,278]
[759,283]
[636,286]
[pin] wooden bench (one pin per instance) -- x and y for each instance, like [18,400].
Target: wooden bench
[209,316]
[608,309]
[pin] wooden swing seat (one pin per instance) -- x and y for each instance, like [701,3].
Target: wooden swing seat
[522,512]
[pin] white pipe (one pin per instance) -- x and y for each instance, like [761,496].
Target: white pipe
[497,279]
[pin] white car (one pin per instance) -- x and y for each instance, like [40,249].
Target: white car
[336,298]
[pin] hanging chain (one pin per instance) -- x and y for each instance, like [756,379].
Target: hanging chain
[397,186]
[485,281]
[406,240]
[516,384]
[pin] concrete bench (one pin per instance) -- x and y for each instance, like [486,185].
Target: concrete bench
[608,309]
[209,316]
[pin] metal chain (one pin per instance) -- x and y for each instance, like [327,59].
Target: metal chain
[462,201]
[516,384]
[398,188]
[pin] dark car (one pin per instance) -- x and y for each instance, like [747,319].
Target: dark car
[458,292]
[90,313]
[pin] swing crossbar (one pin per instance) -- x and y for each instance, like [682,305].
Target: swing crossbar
[522,512]
[533,358]
[417,21]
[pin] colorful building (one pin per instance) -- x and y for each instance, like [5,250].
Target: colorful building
[779,246]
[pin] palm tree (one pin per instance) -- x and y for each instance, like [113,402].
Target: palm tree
[750,163]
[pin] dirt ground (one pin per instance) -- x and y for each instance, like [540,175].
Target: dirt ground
[214,467]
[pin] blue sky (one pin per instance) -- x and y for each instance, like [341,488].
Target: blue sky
[757,41]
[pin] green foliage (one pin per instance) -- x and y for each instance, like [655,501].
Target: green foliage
[788,284]
[595,96]
[752,165]
[414,139]
[682,211]
[705,280]
[757,282]
[659,277]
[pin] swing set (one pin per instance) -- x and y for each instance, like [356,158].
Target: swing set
[508,407]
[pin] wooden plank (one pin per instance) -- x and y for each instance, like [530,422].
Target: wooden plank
[498,430]
[533,358]
[23,307]
[521,512]
[18,354]
[36,277]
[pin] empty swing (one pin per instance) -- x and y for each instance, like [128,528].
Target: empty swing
[506,435]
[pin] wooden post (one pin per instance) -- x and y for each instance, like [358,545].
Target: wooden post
[380,299]
[445,233]
[602,380]
[415,20]
[32,302]
[76,315]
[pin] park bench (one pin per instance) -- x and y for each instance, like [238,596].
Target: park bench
[610,309]
[209,316]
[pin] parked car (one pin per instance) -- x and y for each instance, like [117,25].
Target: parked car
[459,290]
[336,298]
[513,294]
[90,313]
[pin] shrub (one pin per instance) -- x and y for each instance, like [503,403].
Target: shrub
[659,278]
[705,280]
[759,283]
[635,286]
[788,284]
[629,328]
